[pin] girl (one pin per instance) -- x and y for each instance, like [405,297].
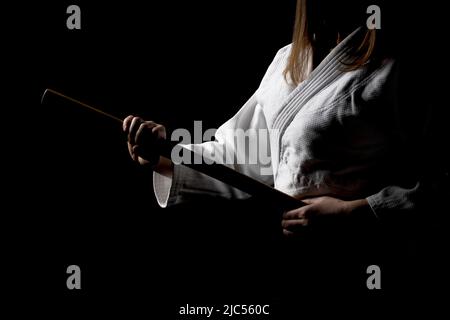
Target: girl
[329,105]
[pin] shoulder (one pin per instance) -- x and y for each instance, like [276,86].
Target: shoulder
[283,53]
[285,50]
[278,64]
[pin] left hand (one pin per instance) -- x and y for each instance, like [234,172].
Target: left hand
[317,210]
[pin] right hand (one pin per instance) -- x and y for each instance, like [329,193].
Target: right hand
[143,137]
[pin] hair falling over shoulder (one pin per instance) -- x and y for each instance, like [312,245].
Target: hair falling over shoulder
[322,24]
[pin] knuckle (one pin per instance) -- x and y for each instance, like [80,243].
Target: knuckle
[135,121]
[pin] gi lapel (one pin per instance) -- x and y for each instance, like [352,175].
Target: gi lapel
[322,76]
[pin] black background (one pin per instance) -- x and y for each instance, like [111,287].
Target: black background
[73,196]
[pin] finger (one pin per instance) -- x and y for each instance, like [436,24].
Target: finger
[296,213]
[294,224]
[288,233]
[145,126]
[160,131]
[126,123]
[135,155]
[134,126]
[130,150]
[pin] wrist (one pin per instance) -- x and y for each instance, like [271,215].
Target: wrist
[353,206]
[360,211]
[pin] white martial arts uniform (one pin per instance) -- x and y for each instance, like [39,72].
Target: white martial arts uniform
[334,134]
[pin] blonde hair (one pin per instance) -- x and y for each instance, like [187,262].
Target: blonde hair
[302,49]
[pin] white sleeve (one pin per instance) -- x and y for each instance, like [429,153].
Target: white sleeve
[241,143]
[252,158]
[161,187]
